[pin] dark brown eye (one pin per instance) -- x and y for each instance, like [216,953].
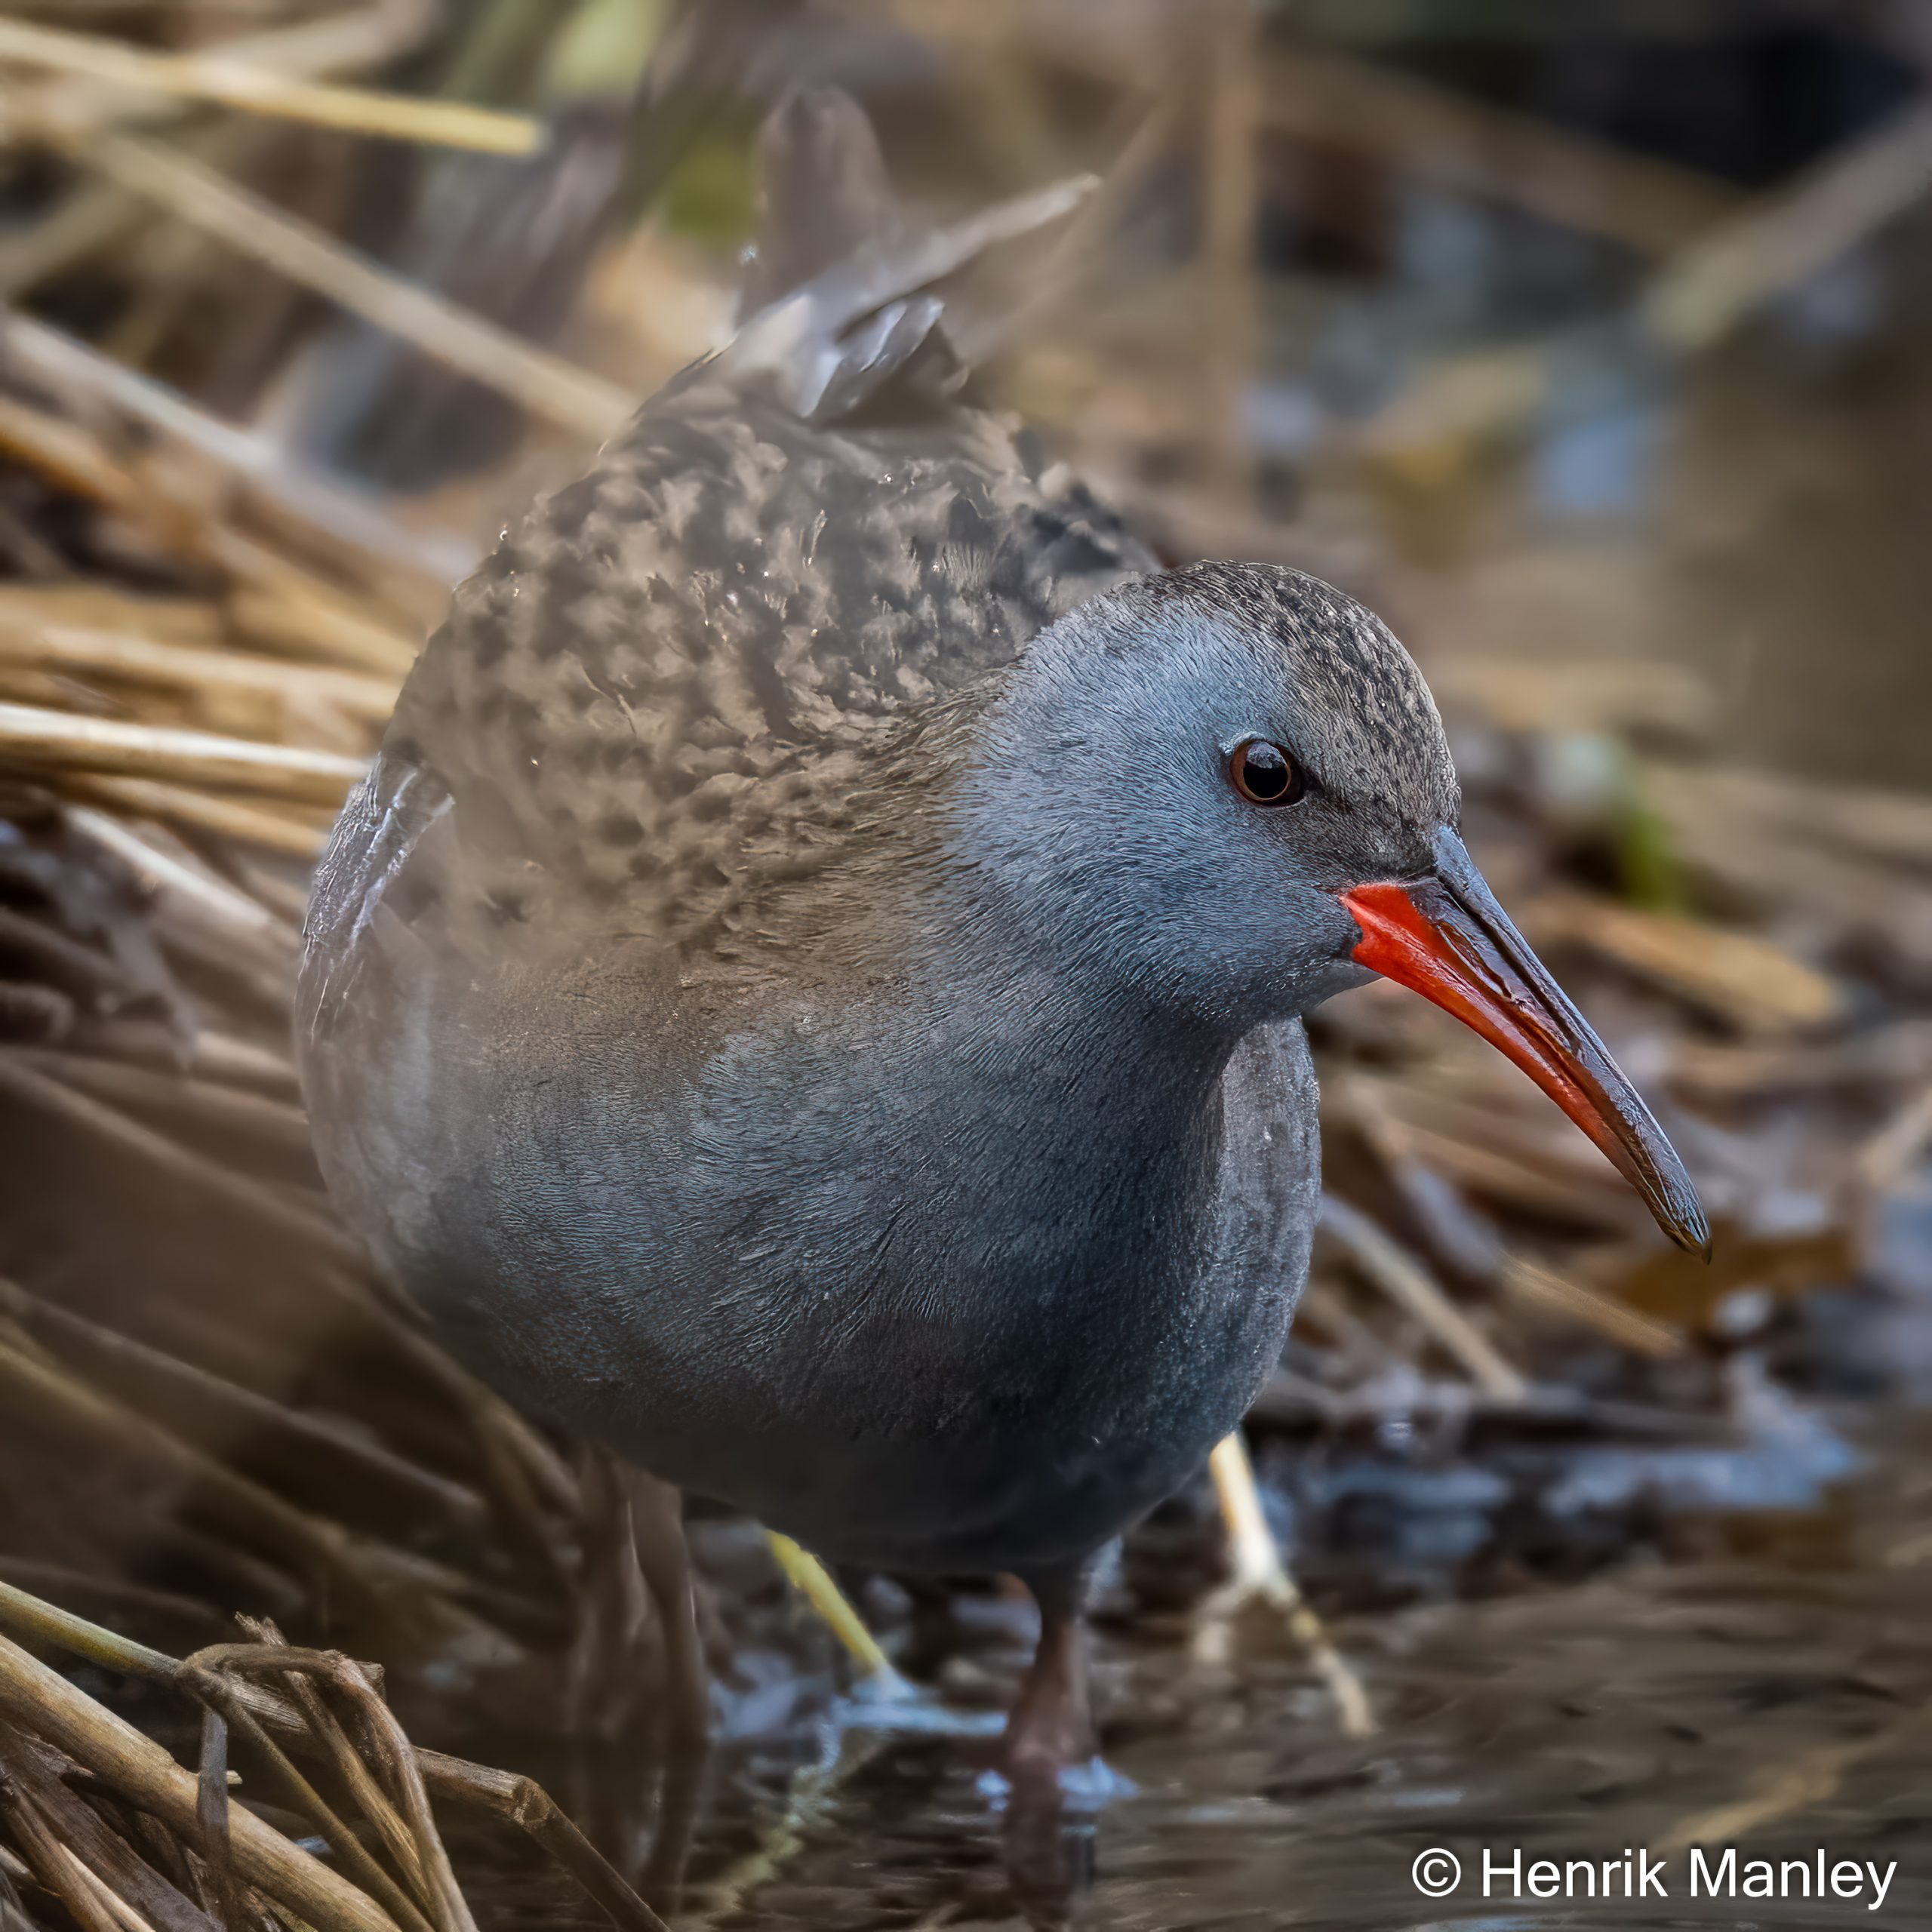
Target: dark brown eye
[1264,774]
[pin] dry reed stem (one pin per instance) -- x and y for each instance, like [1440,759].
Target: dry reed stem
[1784,236]
[1542,1288]
[1454,1229]
[1810,1778]
[247,823]
[29,1573]
[1766,245]
[39,1771]
[69,962]
[523,1466]
[369,1795]
[452,1913]
[221,1708]
[43,1702]
[1751,983]
[211,1814]
[221,77]
[130,659]
[316,49]
[218,1055]
[1419,128]
[369,36]
[202,898]
[343,43]
[88,381]
[1230,119]
[308,624]
[366,1576]
[517,1801]
[1509,1175]
[121,1915]
[79,605]
[49,1861]
[1886,1156]
[34,1621]
[1260,1572]
[186,1100]
[521,1801]
[118,1359]
[61,741]
[580,404]
[529,1475]
[66,455]
[1408,1284]
[91,217]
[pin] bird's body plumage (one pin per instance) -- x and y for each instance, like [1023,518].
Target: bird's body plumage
[809,995]
[662,1038]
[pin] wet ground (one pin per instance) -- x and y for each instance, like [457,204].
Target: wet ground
[1772,1700]
[1777,1703]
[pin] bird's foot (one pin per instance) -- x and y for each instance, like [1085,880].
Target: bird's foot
[1050,1752]
[1079,1788]
[1052,1779]
[1042,1750]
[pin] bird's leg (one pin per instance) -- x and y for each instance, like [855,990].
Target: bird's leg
[1258,1574]
[1051,1729]
[663,1555]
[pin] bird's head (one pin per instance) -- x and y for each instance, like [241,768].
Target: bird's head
[1226,791]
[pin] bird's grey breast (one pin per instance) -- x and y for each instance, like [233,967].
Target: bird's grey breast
[672,695]
[1026,1324]
[836,1262]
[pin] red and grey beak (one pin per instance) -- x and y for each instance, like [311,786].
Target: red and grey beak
[1446,937]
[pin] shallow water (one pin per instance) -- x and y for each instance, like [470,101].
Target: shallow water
[1775,1700]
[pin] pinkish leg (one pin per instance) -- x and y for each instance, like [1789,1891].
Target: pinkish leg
[1051,1726]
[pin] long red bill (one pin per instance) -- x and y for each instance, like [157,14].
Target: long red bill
[1446,937]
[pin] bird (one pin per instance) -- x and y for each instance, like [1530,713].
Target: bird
[811,993]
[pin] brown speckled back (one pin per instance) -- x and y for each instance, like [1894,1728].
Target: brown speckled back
[671,673]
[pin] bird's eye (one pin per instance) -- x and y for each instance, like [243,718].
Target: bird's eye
[1264,774]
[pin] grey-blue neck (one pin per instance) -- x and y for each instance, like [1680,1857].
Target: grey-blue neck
[1067,1112]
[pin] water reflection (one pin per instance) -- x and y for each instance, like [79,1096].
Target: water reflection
[1776,1701]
